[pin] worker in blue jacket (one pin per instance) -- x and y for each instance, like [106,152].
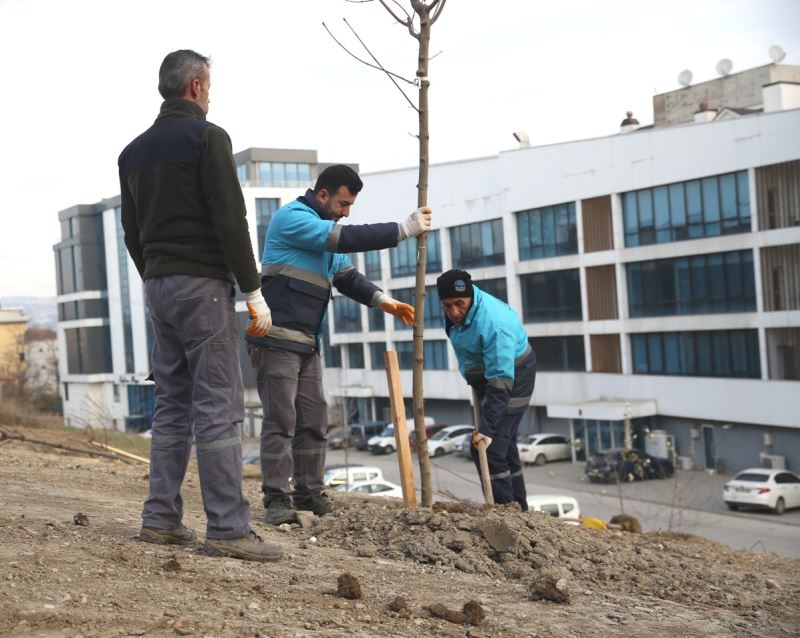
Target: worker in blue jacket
[305,254]
[496,359]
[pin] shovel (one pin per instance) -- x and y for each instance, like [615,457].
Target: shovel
[486,481]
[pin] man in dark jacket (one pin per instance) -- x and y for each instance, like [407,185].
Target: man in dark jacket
[495,358]
[305,253]
[185,228]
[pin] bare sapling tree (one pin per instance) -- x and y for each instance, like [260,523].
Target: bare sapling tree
[418,20]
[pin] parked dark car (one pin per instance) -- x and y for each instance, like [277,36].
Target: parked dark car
[613,466]
[430,430]
[360,433]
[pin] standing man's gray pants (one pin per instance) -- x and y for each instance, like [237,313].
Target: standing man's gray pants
[295,420]
[198,391]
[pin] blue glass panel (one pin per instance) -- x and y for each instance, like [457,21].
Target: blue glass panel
[265,173]
[753,360]
[433,253]
[654,358]
[635,301]
[639,350]
[743,195]
[694,208]
[644,201]
[703,348]
[631,218]
[304,174]
[711,210]
[688,362]
[721,350]
[662,215]
[683,286]
[727,192]
[672,355]
[549,232]
[716,283]
[278,174]
[699,299]
[738,353]
[733,281]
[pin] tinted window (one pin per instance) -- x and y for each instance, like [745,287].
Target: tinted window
[785,477]
[752,476]
[567,507]
[550,508]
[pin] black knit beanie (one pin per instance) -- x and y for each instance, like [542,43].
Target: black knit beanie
[455,283]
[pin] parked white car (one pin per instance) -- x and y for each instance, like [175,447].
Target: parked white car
[443,442]
[758,487]
[373,488]
[556,505]
[340,475]
[542,448]
[385,443]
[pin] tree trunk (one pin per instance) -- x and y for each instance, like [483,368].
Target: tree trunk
[419,301]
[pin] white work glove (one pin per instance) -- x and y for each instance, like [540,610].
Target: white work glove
[403,311]
[261,317]
[417,223]
[477,437]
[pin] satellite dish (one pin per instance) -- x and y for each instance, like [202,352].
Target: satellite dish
[776,53]
[685,78]
[724,66]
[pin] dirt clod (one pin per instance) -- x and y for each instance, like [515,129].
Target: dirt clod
[474,613]
[400,607]
[550,585]
[499,535]
[628,523]
[348,586]
[438,610]
[171,565]
[80,519]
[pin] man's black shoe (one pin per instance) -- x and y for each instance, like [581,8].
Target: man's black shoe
[316,502]
[280,510]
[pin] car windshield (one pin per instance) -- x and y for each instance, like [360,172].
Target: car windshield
[388,430]
[441,434]
[752,476]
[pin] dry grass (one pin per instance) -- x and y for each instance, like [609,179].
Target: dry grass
[16,413]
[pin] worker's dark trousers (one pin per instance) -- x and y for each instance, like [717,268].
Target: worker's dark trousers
[505,468]
[293,431]
[198,392]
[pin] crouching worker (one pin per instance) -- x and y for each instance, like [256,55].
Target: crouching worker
[495,358]
[305,253]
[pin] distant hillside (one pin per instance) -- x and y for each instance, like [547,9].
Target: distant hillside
[41,311]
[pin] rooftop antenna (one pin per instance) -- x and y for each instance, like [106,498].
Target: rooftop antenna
[724,67]
[776,53]
[685,78]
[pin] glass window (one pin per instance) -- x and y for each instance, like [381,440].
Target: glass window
[88,350]
[355,355]
[403,257]
[547,232]
[434,354]
[241,173]
[405,354]
[264,174]
[304,174]
[478,245]
[495,287]
[372,265]
[376,354]
[346,314]
[434,318]
[686,210]
[707,353]
[551,296]
[265,208]
[278,174]
[714,283]
[559,354]
[291,174]
[377,319]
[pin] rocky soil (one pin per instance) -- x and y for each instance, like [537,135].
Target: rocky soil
[447,571]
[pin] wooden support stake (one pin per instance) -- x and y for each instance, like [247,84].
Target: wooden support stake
[400,430]
[122,453]
[486,480]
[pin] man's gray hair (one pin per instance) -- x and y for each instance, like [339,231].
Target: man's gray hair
[177,70]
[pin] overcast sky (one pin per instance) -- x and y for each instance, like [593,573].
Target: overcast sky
[80,81]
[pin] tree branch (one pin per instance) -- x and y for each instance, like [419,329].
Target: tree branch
[408,22]
[379,68]
[388,74]
[438,9]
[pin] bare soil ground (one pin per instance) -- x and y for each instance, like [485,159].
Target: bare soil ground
[59,578]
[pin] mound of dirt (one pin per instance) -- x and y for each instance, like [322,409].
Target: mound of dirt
[415,570]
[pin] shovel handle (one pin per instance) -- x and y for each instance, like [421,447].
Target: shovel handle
[486,481]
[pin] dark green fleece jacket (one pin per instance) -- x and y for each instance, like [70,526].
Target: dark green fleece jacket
[182,207]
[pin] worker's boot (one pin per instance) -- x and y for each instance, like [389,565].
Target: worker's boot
[315,501]
[250,547]
[177,536]
[280,510]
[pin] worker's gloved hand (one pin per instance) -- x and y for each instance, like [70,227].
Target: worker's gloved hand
[260,315]
[477,436]
[417,223]
[403,311]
